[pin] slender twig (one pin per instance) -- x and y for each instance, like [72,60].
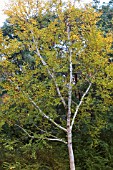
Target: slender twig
[78,106]
[24,131]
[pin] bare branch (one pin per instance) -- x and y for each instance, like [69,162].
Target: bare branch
[78,106]
[44,115]
[56,139]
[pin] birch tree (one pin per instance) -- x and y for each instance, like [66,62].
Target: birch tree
[69,51]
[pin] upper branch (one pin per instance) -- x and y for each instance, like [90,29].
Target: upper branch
[78,106]
[50,74]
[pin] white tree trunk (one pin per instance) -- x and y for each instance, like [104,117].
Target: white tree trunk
[70,149]
[69,130]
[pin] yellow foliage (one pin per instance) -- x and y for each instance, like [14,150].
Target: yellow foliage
[1,36]
[5,98]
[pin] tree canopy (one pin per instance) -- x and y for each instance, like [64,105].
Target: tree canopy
[56,81]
